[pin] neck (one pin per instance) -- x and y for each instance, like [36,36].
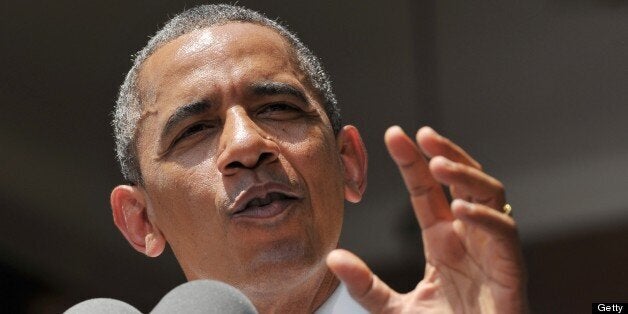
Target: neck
[305,297]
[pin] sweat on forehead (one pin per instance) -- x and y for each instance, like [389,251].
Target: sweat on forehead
[215,45]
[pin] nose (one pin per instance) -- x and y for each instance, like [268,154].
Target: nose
[243,144]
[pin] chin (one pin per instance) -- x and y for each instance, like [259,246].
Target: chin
[286,253]
[284,262]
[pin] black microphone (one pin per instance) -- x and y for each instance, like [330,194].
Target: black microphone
[204,296]
[102,306]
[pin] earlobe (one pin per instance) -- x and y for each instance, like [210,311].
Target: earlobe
[354,159]
[131,217]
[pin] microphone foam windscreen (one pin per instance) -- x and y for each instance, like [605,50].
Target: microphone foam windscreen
[204,296]
[102,306]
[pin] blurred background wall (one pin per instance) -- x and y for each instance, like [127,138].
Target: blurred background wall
[536,90]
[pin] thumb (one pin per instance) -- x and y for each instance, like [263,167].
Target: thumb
[365,287]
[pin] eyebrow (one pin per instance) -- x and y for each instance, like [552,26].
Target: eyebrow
[265,88]
[272,88]
[182,113]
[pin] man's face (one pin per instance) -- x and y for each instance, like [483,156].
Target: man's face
[242,173]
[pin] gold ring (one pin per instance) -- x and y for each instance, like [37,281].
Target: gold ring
[507,210]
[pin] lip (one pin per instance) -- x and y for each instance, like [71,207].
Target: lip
[238,208]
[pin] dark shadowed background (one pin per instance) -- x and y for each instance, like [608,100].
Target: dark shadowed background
[537,90]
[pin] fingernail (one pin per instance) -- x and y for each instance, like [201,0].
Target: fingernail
[462,204]
[446,162]
[396,127]
[430,129]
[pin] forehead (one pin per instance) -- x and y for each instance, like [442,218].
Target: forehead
[212,52]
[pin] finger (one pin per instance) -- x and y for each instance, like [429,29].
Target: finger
[434,144]
[427,196]
[467,182]
[502,250]
[495,223]
[363,286]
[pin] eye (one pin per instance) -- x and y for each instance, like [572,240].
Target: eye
[279,108]
[194,129]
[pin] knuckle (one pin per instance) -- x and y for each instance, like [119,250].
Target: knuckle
[418,190]
[407,164]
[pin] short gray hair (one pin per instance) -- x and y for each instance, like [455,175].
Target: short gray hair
[129,106]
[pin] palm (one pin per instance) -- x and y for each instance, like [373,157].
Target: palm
[473,261]
[465,264]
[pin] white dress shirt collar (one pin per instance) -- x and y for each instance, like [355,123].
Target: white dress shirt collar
[340,302]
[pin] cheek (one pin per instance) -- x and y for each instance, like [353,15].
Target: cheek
[189,171]
[324,160]
[320,167]
[187,195]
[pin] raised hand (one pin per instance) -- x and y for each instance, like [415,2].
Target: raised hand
[472,250]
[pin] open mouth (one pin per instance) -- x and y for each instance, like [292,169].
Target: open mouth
[269,205]
[269,198]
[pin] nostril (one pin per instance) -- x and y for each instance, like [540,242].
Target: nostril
[235,164]
[263,158]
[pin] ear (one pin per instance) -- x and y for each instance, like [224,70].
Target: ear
[130,214]
[353,155]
